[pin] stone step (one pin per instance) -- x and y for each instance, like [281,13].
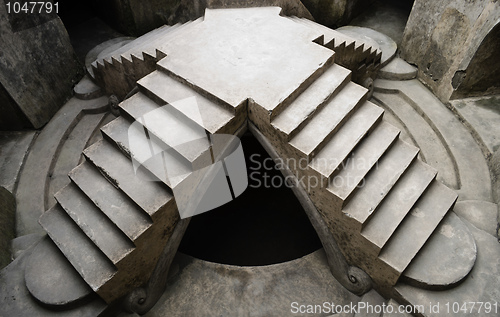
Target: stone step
[173,129]
[94,223]
[329,34]
[379,182]
[132,47]
[147,151]
[418,226]
[117,168]
[311,101]
[398,204]
[318,132]
[334,155]
[166,90]
[123,212]
[352,171]
[77,248]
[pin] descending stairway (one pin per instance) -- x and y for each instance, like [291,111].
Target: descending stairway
[380,201]
[107,218]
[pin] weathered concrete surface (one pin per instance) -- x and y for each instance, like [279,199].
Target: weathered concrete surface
[337,12]
[37,67]
[469,162]
[7,225]
[33,180]
[446,259]
[14,147]
[86,89]
[482,114]
[495,171]
[481,214]
[398,69]
[210,289]
[135,17]
[234,69]
[17,301]
[481,286]
[48,269]
[443,44]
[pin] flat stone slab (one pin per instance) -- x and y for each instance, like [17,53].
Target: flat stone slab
[237,54]
[86,89]
[398,69]
[482,214]
[446,259]
[481,285]
[17,301]
[374,39]
[48,269]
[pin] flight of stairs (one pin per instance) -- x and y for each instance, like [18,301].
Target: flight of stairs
[113,221]
[118,71]
[349,53]
[380,201]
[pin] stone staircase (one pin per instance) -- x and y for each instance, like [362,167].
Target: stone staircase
[106,219]
[119,70]
[379,200]
[363,60]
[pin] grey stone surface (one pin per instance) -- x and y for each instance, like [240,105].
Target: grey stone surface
[17,301]
[337,12]
[32,189]
[483,115]
[393,310]
[374,39]
[474,175]
[444,43]
[372,299]
[482,214]
[387,17]
[210,289]
[7,225]
[481,286]
[47,269]
[37,59]
[14,147]
[255,52]
[417,130]
[86,89]
[446,259]
[23,243]
[398,69]
[495,171]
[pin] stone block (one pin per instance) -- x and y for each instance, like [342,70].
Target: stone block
[38,68]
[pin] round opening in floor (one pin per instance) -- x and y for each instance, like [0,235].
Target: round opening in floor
[264,225]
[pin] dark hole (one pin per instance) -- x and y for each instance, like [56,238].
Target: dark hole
[264,225]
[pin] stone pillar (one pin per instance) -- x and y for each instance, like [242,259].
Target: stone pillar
[443,36]
[38,67]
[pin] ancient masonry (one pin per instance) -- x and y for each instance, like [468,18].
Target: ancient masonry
[296,84]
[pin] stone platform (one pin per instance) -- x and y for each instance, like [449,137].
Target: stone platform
[425,123]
